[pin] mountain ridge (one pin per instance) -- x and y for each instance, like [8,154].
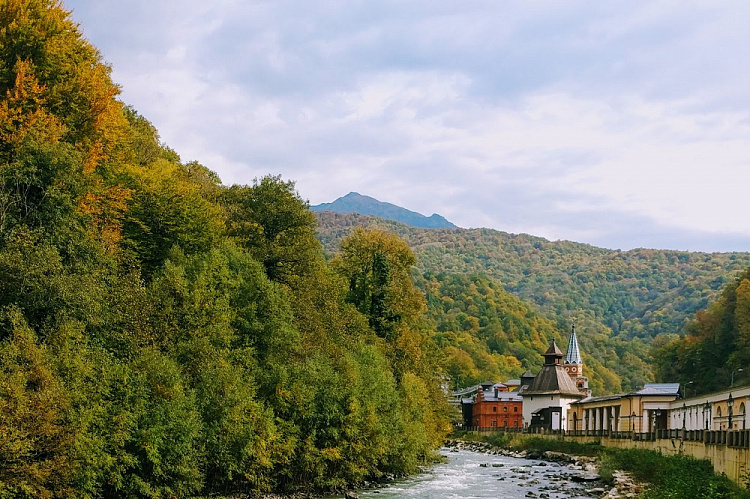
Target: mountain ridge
[356,203]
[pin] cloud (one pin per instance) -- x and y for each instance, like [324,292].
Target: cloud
[621,124]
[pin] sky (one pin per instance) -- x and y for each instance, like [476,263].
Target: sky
[621,124]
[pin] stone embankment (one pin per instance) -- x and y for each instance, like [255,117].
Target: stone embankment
[583,470]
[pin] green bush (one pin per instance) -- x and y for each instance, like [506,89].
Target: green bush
[671,476]
[542,444]
[499,439]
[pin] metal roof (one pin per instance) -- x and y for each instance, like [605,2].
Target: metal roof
[573,355]
[659,388]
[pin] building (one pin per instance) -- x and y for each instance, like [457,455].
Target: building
[641,411]
[725,410]
[547,398]
[495,407]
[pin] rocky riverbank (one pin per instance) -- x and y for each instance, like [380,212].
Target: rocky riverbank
[583,470]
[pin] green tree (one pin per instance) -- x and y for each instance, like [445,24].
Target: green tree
[275,225]
[377,265]
[35,441]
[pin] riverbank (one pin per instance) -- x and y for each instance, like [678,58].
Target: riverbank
[479,469]
[627,472]
[617,485]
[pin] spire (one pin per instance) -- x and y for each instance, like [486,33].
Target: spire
[573,356]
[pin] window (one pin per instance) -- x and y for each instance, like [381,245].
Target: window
[515,409]
[505,423]
[494,408]
[505,408]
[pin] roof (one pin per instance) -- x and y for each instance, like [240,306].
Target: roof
[553,350]
[573,356]
[502,397]
[466,391]
[659,389]
[553,379]
[603,398]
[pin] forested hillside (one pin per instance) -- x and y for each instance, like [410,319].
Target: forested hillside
[621,300]
[486,332]
[163,335]
[716,350]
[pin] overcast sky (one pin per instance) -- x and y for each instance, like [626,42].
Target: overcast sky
[619,124]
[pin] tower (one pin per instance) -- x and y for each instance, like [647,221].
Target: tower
[574,364]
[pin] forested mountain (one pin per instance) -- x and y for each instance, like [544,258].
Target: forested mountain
[486,332]
[164,335]
[366,205]
[621,300]
[716,350]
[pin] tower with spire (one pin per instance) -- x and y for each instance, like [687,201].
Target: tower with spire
[573,363]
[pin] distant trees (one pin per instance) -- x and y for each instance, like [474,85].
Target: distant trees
[621,300]
[716,345]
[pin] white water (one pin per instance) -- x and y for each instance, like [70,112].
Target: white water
[472,475]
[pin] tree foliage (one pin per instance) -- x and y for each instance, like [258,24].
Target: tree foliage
[715,351]
[163,335]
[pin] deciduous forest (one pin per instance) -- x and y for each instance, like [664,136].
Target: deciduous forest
[492,294]
[163,335]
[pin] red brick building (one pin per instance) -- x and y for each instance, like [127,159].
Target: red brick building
[497,408]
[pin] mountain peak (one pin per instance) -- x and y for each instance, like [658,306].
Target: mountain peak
[355,202]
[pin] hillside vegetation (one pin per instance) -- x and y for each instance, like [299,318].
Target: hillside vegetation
[621,300]
[164,335]
[716,350]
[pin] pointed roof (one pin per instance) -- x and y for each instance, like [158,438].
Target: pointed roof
[553,379]
[553,350]
[573,356]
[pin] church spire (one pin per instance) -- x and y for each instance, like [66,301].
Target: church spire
[574,364]
[573,356]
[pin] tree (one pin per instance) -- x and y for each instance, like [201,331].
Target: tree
[35,441]
[377,265]
[275,225]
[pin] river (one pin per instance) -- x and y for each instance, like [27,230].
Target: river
[469,474]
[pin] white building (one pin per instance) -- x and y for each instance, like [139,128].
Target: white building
[547,398]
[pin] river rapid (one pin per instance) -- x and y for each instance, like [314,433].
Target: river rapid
[468,474]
